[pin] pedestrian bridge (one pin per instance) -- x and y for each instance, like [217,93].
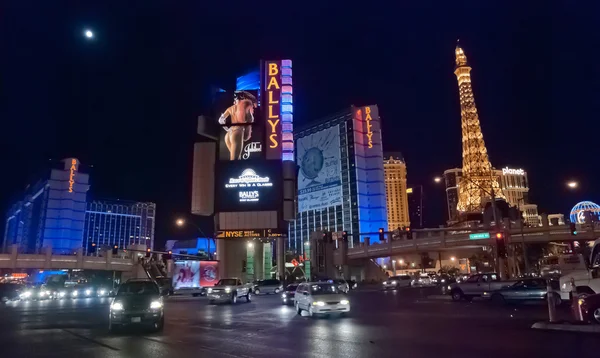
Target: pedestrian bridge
[445,239]
[46,261]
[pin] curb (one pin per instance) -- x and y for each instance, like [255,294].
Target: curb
[567,327]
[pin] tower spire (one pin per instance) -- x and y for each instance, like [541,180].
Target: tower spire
[478,182]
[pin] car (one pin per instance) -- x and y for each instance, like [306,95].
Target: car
[229,290]
[9,292]
[137,302]
[353,284]
[395,282]
[320,298]
[102,291]
[267,286]
[590,308]
[523,290]
[287,297]
[340,282]
[476,285]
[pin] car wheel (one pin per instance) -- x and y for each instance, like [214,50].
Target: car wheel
[248,297]
[158,326]
[256,291]
[234,298]
[298,309]
[596,316]
[498,299]
[457,295]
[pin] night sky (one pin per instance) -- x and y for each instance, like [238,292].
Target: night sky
[127,102]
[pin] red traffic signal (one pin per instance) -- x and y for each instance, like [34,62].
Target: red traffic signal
[499,235]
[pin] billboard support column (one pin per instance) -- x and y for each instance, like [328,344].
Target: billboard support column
[268,259]
[280,242]
[221,251]
[250,267]
[259,265]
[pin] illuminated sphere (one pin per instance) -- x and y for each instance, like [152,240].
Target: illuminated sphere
[312,162]
[577,215]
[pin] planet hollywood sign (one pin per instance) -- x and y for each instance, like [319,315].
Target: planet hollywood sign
[510,171]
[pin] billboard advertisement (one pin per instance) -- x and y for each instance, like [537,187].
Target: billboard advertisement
[239,116]
[194,274]
[319,177]
[249,185]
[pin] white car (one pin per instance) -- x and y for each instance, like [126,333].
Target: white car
[320,298]
[395,282]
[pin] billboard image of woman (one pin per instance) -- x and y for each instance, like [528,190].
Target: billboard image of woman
[186,274]
[237,121]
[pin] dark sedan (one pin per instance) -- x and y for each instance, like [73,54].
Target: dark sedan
[590,308]
[523,290]
[287,297]
[137,302]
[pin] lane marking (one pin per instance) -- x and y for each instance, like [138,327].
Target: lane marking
[91,340]
[197,346]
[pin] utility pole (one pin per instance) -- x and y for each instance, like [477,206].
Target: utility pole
[525,260]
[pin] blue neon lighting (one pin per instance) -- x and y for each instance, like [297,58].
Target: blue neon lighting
[250,81]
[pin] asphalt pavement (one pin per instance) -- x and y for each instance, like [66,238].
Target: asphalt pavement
[411,322]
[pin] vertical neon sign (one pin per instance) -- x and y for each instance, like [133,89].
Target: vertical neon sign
[72,171]
[279,104]
[287,111]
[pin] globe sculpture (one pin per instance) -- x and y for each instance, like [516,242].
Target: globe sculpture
[577,214]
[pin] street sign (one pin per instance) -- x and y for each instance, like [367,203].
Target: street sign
[479,236]
[251,233]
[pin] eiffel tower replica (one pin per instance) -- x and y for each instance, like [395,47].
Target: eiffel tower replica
[479,183]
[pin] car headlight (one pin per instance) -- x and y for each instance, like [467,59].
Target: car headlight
[227,289]
[394,282]
[41,294]
[26,294]
[318,303]
[209,290]
[154,305]
[62,294]
[102,292]
[116,306]
[75,293]
[443,280]
[449,287]
[284,295]
[88,292]
[344,302]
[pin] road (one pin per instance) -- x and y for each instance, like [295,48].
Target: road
[411,322]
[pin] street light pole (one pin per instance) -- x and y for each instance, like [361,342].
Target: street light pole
[181,222]
[525,261]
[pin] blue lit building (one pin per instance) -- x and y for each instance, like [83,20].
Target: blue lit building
[51,212]
[341,181]
[204,247]
[118,222]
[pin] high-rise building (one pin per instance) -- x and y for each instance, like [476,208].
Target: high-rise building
[341,182]
[395,188]
[118,222]
[51,212]
[514,187]
[478,182]
[415,206]
[452,177]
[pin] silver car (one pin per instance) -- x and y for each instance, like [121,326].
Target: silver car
[395,282]
[267,286]
[523,290]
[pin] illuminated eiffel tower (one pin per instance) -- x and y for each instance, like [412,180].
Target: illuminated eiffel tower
[478,180]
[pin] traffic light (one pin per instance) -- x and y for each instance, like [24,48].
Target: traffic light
[92,248]
[409,234]
[381,234]
[168,255]
[147,252]
[500,244]
[115,249]
[573,228]
[345,236]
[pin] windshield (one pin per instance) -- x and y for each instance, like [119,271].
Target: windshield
[138,288]
[323,289]
[227,282]
[291,288]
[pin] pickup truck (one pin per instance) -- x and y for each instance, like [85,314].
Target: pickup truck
[476,285]
[229,290]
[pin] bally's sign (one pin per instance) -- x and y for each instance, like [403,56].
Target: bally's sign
[249,185]
[273,98]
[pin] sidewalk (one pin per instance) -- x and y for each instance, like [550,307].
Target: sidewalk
[567,327]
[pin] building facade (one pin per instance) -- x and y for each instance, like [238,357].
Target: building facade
[514,187]
[452,177]
[341,182]
[118,222]
[395,188]
[415,206]
[51,213]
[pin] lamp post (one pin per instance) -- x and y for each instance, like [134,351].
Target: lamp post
[525,260]
[394,267]
[181,222]
[572,184]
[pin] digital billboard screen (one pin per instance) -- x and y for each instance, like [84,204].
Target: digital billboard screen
[249,185]
[194,274]
[240,118]
[319,177]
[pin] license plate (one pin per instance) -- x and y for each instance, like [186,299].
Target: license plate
[136,319]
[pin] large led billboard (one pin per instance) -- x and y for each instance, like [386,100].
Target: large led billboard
[241,137]
[249,185]
[195,274]
[319,177]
